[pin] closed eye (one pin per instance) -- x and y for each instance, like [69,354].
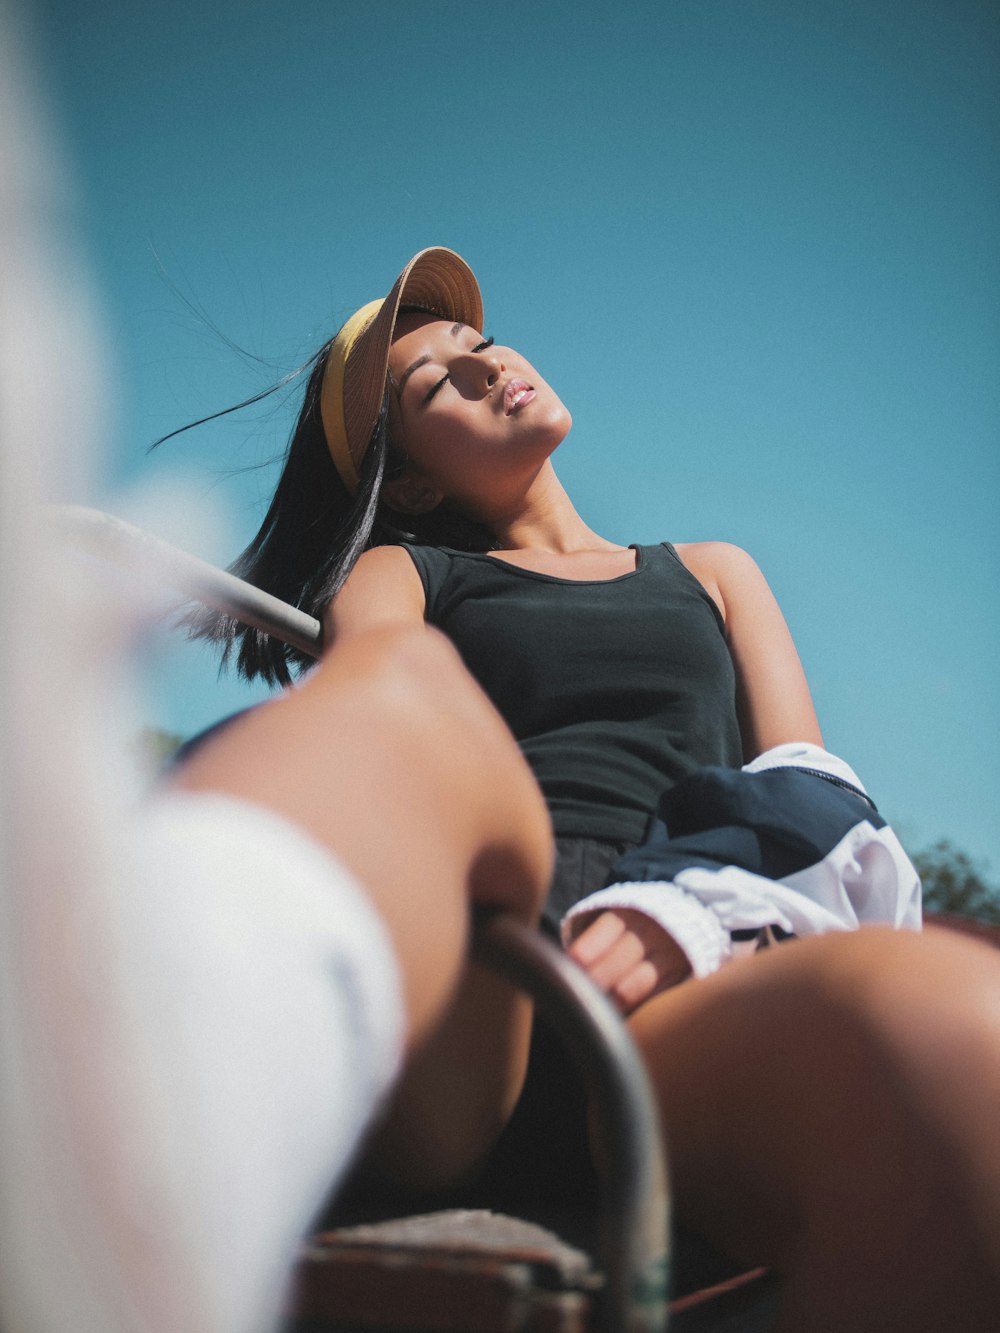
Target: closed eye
[479,347]
[433,390]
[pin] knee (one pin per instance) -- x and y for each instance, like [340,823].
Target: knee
[903,1068]
[920,996]
[866,1072]
[407,669]
[458,728]
[415,681]
[444,731]
[921,1009]
[904,1136]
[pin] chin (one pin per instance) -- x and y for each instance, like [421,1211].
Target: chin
[561,421]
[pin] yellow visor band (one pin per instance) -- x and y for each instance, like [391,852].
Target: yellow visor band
[332,404]
[435,280]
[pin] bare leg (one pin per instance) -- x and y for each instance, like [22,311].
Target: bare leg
[198,1033]
[391,756]
[182,1072]
[394,713]
[831,1110]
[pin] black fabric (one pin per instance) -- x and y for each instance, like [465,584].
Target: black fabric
[540,1166]
[582,866]
[542,1159]
[774,823]
[614,689]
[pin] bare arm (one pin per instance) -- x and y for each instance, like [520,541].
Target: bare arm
[383,591]
[392,733]
[392,754]
[773,698]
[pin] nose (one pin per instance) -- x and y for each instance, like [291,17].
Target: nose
[494,366]
[481,370]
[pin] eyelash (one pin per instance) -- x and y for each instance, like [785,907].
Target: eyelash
[479,347]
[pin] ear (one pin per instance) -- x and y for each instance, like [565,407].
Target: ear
[410,493]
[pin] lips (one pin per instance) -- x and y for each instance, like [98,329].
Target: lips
[515,395]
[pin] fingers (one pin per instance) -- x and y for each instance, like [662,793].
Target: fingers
[591,945]
[638,985]
[630,957]
[615,952]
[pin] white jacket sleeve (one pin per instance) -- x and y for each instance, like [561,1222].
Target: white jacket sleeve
[865,877]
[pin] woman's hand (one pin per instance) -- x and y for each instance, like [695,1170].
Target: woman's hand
[630,957]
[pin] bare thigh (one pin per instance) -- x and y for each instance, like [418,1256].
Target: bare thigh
[390,754]
[830,1108]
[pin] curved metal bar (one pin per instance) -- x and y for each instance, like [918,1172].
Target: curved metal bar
[634,1238]
[196,580]
[635,1223]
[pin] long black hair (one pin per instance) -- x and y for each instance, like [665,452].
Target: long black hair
[314,530]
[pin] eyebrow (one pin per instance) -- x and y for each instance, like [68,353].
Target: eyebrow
[455,330]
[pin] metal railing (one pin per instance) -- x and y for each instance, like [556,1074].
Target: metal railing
[192,579]
[634,1226]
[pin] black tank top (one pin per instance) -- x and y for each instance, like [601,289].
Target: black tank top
[614,689]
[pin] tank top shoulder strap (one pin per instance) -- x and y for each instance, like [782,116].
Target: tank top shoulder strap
[671,551]
[433,564]
[671,563]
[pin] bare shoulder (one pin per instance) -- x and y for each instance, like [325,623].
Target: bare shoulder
[382,589]
[772,698]
[721,556]
[385,563]
[724,570]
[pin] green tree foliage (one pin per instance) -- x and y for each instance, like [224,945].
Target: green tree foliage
[954,883]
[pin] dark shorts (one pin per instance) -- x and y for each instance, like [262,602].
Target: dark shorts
[540,1167]
[582,867]
[542,1157]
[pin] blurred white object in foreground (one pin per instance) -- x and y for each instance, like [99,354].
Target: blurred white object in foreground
[189,1043]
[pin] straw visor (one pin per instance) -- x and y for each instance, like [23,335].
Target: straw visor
[438,280]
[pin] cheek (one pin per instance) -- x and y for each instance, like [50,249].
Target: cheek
[415,436]
[397,430]
[420,441]
[443,425]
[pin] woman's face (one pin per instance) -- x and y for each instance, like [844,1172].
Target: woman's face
[469,415]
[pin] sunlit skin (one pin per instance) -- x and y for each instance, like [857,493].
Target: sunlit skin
[469,416]
[479,425]
[817,1120]
[477,421]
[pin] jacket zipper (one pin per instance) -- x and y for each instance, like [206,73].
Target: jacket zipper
[837,782]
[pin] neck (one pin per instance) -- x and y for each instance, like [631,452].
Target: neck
[545,518]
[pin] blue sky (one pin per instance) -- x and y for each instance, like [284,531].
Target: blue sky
[754,245]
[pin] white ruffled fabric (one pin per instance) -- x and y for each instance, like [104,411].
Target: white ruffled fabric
[866,878]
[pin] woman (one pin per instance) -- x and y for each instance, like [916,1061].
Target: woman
[820,1115]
